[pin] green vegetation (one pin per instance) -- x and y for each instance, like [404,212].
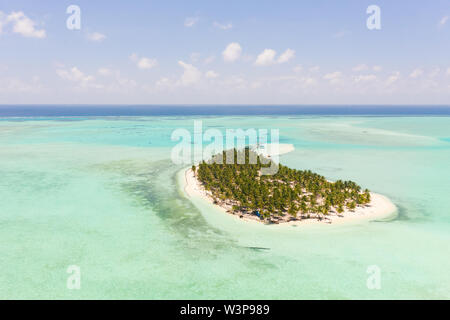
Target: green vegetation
[288,194]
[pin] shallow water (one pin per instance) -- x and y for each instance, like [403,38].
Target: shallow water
[102,194]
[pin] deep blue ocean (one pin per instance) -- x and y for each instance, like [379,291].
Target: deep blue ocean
[213,110]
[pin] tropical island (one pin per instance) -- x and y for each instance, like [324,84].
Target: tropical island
[286,196]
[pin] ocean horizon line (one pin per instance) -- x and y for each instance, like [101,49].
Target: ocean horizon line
[99,110]
[226,104]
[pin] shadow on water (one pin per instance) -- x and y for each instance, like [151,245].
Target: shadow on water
[401,216]
[153,185]
[258,248]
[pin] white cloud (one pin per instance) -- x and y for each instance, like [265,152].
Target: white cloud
[163,82]
[15,85]
[376,68]
[24,25]
[333,77]
[146,63]
[364,78]
[393,78]
[365,67]
[2,15]
[75,75]
[211,74]
[96,36]
[314,69]
[309,81]
[360,67]
[286,56]
[266,58]
[443,20]
[232,52]
[191,74]
[416,73]
[223,26]
[190,21]
[104,72]
[143,63]
[112,80]
[448,71]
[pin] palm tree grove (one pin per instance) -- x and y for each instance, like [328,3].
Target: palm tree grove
[287,195]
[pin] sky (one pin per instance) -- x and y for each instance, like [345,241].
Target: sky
[225,52]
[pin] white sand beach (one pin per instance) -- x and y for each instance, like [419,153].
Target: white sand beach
[380,207]
[271,150]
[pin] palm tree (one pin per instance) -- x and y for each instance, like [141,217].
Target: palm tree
[288,191]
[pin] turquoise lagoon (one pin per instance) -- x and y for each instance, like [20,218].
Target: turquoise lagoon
[102,193]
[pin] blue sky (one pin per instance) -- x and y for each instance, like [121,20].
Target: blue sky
[244,52]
